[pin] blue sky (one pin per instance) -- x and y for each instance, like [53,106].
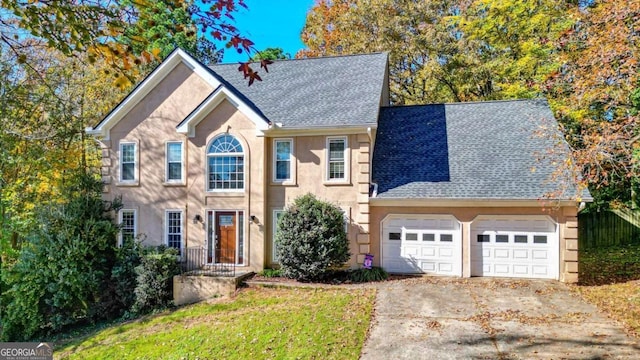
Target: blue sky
[271,23]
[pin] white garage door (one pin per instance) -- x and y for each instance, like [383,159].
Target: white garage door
[422,244]
[526,247]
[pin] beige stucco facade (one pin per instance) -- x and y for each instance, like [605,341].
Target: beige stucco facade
[153,120]
[152,123]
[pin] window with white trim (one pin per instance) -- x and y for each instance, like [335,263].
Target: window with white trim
[128,163]
[277,214]
[337,159]
[128,226]
[173,229]
[225,164]
[174,164]
[282,165]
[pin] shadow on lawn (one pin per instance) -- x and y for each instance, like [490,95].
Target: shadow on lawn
[609,265]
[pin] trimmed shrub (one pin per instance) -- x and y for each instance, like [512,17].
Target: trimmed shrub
[311,239]
[368,275]
[154,280]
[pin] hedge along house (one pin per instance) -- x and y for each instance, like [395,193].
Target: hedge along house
[202,160]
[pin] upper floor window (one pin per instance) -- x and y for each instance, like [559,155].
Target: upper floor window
[282,160]
[337,159]
[127,226]
[174,162]
[128,161]
[225,161]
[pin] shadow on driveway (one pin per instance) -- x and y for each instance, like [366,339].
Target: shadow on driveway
[482,318]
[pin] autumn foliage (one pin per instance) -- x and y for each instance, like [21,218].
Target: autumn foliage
[580,55]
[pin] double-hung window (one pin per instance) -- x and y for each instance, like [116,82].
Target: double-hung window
[128,162]
[282,167]
[337,159]
[174,156]
[127,226]
[225,161]
[174,228]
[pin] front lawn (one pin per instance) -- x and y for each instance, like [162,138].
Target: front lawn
[621,301]
[609,280]
[260,323]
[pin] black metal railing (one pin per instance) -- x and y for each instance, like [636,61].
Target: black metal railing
[197,261]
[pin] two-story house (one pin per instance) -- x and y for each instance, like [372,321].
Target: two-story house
[201,159]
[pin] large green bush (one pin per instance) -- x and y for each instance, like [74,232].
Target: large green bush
[311,239]
[64,269]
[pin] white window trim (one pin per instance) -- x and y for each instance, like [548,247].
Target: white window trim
[135,224]
[244,167]
[274,221]
[180,181]
[166,227]
[347,161]
[292,163]
[136,159]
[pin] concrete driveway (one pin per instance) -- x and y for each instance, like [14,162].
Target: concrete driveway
[481,318]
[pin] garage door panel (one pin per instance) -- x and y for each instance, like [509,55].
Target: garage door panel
[426,244]
[502,269]
[446,252]
[502,253]
[428,252]
[520,254]
[428,266]
[521,269]
[540,254]
[525,247]
[445,268]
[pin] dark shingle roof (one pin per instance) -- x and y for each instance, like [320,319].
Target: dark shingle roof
[315,92]
[481,150]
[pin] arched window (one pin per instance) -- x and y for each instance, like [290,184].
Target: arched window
[225,161]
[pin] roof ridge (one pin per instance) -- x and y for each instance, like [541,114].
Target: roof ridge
[467,102]
[310,58]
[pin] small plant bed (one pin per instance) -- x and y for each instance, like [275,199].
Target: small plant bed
[272,323]
[610,265]
[352,276]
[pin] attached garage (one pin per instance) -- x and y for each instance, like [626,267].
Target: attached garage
[469,167]
[429,244]
[524,247]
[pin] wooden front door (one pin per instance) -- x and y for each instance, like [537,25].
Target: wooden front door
[226,237]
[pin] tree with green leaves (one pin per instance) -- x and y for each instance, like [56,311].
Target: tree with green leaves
[97,29]
[445,50]
[271,54]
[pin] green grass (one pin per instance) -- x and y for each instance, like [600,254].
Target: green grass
[609,279]
[261,323]
[610,265]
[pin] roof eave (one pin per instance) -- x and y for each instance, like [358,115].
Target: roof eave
[188,125]
[469,202]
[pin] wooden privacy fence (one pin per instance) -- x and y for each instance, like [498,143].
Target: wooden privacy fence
[608,228]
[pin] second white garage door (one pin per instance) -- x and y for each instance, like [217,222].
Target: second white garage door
[422,244]
[526,247]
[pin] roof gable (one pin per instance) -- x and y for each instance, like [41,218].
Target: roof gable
[177,57]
